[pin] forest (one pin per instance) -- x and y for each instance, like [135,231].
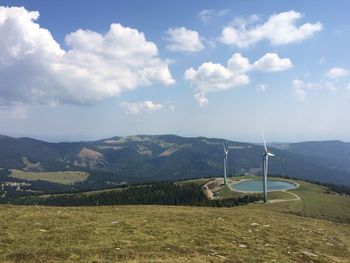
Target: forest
[161,193]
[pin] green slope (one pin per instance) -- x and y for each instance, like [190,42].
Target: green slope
[315,201]
[167,234]
[313,229]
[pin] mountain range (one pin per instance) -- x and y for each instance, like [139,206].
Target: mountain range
[169,157]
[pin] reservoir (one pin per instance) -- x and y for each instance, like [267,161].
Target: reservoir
[257,186]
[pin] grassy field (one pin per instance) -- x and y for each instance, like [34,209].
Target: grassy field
[167,234]
[63,177]
[315,202]
[312,229]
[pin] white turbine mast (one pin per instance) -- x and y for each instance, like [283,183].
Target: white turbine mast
[225,163]
[265,164]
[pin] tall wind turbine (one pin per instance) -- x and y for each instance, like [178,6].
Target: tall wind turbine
[266,155]
[225,163]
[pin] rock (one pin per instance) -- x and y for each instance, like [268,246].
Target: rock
[254,224]
[114,222]
[242,246]
[266,225]
[42,230]
[309,254]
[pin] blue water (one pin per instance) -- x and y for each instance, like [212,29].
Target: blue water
[257,186]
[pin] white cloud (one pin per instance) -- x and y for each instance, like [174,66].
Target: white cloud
[35,69]
[183,39]
[261,87]
[329,86]
[301,88]
[201,98]
[213,77]
[272,62]
[208,15]
[279,29]
[140,107]
[335,73]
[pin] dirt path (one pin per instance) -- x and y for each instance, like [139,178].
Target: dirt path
[296,198]
[211,187]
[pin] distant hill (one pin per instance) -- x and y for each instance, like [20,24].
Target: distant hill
[169,157]
[334,154]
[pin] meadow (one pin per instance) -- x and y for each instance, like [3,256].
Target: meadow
[61,177]
[309,230]
[167,234]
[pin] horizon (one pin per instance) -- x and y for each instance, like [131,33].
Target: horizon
[72,139]
[219,69]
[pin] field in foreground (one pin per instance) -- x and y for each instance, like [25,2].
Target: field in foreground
[167,234]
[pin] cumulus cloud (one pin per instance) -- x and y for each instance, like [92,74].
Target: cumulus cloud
[214,77]
[335,73]
[279,29]
[35,69]
[140,107]
[208,15]
[301,88]
[272,62]
[201,98]
[183,39]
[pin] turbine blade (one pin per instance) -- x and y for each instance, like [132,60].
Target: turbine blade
[223,144]
[263,135]
[270,154]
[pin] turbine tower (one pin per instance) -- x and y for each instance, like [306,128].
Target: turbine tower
[266,155]
[225,163]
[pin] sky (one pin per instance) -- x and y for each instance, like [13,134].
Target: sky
[85,70]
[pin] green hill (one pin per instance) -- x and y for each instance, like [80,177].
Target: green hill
[312,229]
[141,158]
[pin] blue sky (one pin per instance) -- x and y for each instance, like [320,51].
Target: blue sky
[193,68]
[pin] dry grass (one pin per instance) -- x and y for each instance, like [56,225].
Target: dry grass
[167,234]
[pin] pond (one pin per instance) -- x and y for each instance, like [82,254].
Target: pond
[257,186]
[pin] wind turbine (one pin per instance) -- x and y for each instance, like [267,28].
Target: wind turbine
[225,163]
[266,155]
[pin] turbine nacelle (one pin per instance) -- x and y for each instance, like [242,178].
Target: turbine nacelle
[268,154]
